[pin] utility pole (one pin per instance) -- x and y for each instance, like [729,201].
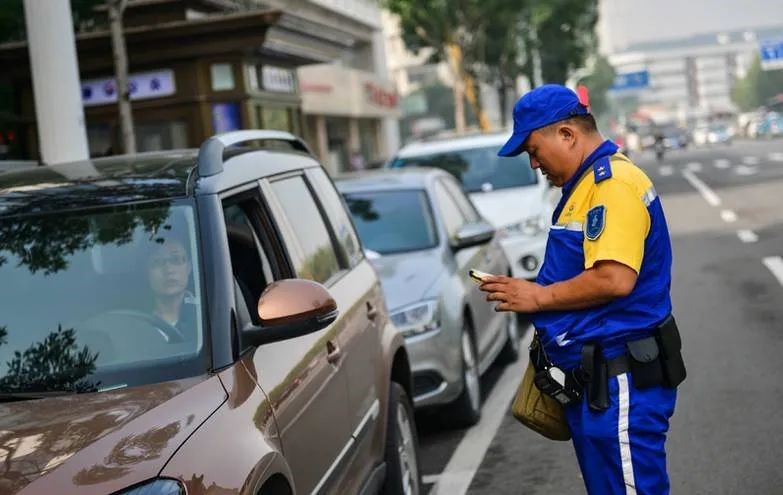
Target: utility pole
[55,71]
[116,9]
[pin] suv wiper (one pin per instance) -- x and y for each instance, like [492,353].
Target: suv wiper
[20,396]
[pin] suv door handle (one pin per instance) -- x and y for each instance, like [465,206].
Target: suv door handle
[372,311]
[333,352]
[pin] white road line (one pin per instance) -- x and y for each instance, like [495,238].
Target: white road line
[728,216]
[429,479]
[750,160]
[466,459]
[747,236]
[694,166]
[775,265]
[709,196]
[776,157]
[666,170]
[745,170]
[722,163]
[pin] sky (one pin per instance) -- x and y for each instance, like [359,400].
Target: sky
[623,22]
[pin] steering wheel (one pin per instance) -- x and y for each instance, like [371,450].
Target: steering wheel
[171,333]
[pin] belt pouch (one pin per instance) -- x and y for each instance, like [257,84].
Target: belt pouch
[595,375]
[646,369]
[668,336]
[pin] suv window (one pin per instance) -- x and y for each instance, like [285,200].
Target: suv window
[452,217]
[464,204]
[249,264]
[478,169]
[313,254]
[99,299]
[335,210]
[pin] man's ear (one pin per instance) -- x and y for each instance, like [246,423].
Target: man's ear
[567,134]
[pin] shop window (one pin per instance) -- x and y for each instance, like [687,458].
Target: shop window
[155,136]
[222,77]
[276,118]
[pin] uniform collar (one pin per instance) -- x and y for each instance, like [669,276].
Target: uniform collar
[607,148]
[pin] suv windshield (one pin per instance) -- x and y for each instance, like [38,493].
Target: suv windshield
[478,169]
[393,221]
[99,299]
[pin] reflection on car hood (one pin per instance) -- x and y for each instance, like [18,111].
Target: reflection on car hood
[508,206]
[100,442]
[406,277]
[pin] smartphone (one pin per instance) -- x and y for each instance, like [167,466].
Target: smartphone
[478,276]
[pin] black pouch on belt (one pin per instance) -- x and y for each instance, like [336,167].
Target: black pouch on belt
[595,376]
[645,362]
[668,336]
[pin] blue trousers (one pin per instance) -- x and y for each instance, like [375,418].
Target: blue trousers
[621,450]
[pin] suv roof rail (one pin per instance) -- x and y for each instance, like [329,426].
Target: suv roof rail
[210,155]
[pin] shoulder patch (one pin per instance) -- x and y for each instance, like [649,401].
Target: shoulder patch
[595,222]
[602,169]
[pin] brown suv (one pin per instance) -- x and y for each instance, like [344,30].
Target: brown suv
[195,322]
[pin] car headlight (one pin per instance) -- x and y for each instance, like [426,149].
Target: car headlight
[418,318]
[156,487]
[531,226]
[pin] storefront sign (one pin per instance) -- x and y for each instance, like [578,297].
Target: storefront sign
[142,86]
[337,91]
[278,79]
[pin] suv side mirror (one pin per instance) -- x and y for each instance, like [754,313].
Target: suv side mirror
[473,234]
[291,308]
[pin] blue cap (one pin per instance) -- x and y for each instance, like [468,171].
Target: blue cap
[539,108]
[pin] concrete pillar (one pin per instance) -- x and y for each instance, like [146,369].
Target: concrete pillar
[322,143]
[390,128]
[55,71]
[354,140]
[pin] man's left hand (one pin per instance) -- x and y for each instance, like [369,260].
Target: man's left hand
[513,294]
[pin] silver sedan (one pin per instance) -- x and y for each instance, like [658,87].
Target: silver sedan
[423,235]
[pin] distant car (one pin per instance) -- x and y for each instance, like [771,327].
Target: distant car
[712,134]
[196,321]
[675,137]
[771,125]
[423,235]
[517,200]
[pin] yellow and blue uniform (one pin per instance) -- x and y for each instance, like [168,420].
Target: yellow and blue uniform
[610,211]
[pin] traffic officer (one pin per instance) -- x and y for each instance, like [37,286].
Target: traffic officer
[604,284]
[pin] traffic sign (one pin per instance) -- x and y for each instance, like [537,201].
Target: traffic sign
[771,54]
[631,81]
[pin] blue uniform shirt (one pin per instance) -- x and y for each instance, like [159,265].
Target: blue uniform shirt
[609,211]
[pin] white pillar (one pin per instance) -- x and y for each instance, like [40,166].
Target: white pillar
[390,128]
[58,103]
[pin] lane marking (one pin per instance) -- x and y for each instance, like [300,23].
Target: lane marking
[776,157]
[750,160]
[466,459]
[694,166]
[722,163]
[728,216]
[708,194]
[745,170]
[747,236]
[666,170]
[775,265]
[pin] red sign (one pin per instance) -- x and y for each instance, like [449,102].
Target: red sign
[380,96]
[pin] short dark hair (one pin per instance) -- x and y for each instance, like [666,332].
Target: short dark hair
[584,122]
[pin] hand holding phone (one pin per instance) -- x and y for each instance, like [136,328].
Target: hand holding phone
[478,276]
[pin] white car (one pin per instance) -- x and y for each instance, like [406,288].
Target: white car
[517,200]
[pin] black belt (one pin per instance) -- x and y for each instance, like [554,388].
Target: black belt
[618,366]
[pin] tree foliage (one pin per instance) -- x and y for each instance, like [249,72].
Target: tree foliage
[757,86]
[12,22]
[598,83]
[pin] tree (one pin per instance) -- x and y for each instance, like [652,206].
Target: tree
[758,86]
[598,83]
[116,9]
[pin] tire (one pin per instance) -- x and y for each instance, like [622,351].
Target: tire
[510,351]
[403,476]
[466,410]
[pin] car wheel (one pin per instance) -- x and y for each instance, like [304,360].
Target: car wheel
[466,410]
[510,351]
[402,462]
